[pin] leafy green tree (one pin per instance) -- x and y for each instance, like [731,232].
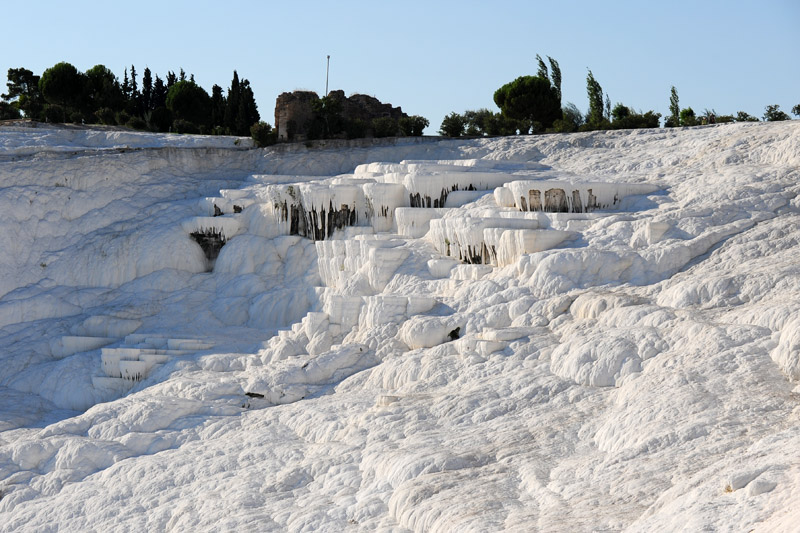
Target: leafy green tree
[796,110]
[773,113]
[413,126]
[453,125]
[23,92]
[688,117]
[189,103]
[571,120]
[620,112]
[102,89]
[485,122]
[327,120]
[743,116]
[530,100]
[478,122]
[594,118]
[63,85]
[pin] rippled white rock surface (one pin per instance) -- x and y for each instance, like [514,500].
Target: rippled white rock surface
[638,373]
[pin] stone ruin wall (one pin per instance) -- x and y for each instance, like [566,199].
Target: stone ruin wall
[293,111]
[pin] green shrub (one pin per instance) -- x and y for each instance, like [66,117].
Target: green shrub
[773,113]
[137,123]
[105,115]
[384,127]
[263,134]
[160,119]
[54,113]
[184,126]
[413,126]
[743,116]
[9,111]
[355,128]
[688,117]
[123,117]
[453,125]
[625,119]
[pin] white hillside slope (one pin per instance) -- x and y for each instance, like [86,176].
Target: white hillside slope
[586,332]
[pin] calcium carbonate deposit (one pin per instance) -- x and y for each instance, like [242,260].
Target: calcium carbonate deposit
[583,332]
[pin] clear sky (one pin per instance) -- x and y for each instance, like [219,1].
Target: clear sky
[431,57]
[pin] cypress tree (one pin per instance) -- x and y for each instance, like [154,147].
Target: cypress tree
[217,107]
[159,98]
[126,86]
[247,112]
[232,104]
[147,90]
[135,96]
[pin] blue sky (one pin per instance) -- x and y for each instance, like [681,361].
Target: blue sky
[432,57]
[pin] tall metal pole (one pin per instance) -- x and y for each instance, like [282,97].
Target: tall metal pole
[327,71]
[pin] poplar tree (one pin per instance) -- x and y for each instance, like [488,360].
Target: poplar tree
[555,76]
[674,109]
[595,93]
[542,72]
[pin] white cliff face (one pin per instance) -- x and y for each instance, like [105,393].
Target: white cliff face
[399,337]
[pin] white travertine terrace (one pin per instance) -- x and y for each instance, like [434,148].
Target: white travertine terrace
[630,367]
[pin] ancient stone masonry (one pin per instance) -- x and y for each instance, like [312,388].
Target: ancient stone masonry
[294,113]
